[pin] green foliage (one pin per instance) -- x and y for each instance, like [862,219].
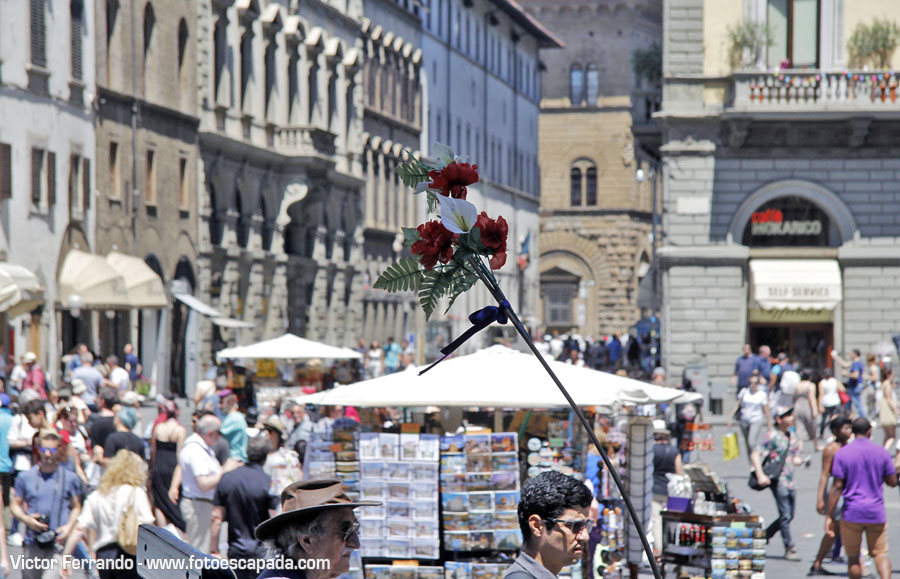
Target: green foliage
[405,275]
[461,285]
[410,236]
[647,64]
[450,280]
[748,41]
[433,202]
[873,45]
[413,171]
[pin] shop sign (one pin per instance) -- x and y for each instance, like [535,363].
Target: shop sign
[798,316]
[266,368]
[788,222]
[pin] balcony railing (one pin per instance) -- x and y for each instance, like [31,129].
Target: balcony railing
[305,141]
[820,90]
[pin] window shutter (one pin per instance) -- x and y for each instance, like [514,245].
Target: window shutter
[51,179]
[86,181]
[77,10]
[37,159]
[38,33]
[5,171]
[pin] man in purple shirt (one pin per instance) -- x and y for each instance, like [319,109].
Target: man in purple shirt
[743,369]
[859,469]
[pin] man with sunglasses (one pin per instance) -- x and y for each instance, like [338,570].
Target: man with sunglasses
[553,516]
[316,531]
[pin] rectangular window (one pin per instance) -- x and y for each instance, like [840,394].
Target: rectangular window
[86,183]
[51,179]
[794,25]
[77,12]
[37,174]
[115,180]
[150,195]
[5,171]
[38,33]
[558,301]
[184,198]
[75,182]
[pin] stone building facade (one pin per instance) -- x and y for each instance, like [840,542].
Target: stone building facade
[780,198]
[47,159]
[595,133]
[391,32]
[481,84]
[146,141]
[281,125]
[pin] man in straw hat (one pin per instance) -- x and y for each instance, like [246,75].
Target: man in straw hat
[317,530]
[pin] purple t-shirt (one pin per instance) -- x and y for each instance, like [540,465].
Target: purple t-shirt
[863,465]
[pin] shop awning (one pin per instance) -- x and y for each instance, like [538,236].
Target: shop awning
[20,290]
[145,288]
[215,315]
[91,277]
[287,347]
[795,284]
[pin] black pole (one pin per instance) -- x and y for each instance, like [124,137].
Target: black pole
[497,294]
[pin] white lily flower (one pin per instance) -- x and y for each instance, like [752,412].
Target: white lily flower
[457,215]
[423,187]
[443,153]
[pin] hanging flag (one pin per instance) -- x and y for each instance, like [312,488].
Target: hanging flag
[525,251]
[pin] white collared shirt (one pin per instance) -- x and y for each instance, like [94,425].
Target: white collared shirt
[197,459]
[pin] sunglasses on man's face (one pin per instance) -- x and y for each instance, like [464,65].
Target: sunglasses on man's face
[45,450]
[576,526]
[347,530]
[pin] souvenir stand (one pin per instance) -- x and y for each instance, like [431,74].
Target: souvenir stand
[712,533]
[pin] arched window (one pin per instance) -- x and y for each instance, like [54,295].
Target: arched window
[590,195]
[576,84]
[575,187]
[593,84]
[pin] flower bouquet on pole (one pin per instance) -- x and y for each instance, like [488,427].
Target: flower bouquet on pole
[451,253]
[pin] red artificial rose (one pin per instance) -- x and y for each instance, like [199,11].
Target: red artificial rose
[435,244]
[493,237]
[453,179]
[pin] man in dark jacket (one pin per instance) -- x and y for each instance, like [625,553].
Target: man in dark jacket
[553,516]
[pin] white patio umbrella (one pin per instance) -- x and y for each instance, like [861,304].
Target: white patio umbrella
[287,347]
[494,377]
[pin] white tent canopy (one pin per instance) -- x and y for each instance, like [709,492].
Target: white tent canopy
[20,290]
[287,347]
[91,277]
[495,377]
[145,288]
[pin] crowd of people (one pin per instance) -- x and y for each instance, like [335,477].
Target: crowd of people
[781,406]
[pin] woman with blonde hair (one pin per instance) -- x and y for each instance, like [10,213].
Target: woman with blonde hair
[122,486]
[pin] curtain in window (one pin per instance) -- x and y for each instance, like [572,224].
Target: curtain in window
[593,84]
[576,85]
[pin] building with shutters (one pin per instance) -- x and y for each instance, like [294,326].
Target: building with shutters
[147,151]
[47,158]
[596,131]
[281,122]
[780,190]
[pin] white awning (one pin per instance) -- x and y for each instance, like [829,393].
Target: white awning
[795,284]
[198,306]
[145,288]
[207,310]
[91,277]
[20,290]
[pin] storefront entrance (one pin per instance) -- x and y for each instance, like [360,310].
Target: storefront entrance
[807,345]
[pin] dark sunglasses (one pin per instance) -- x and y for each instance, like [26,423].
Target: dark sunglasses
[44,449]
[348,531]
[575,526]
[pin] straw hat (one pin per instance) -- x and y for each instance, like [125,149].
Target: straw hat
[306,498]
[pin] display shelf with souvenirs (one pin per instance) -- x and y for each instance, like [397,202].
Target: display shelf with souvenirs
[480,492]
[550,443]
[608,539]
[401,471]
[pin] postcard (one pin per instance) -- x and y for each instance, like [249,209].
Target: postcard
[372,512]
[481,521]
[346,455]
[398,491]
[373,548]
[397,528]
[430,572]
[371,470]
[455,443]
[478,444]
[378,571]
[478,463]
[504,442]
[456,541]
[369,446]
[506,500]
[457,570]
[403,572]
[426,549]
[399,510]
[504,462]
[397,471]
[390,445]
[409,443]
[456,521]
[486,571]
[397,548]
[372,490]
[455,502]
[425,471]
[429,447]
[453,463]
[425,510]
[481,541]
[505,481]
[424,529]
[371,528]
[482,501]
[453,483]
[481,482]
[506,520]
[424,490]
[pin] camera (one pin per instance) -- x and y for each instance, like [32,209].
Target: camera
[45,539]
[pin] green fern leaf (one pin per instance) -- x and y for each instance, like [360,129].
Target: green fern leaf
[433,202]
[436,284]
[413,172]
[461,284]
[405,275]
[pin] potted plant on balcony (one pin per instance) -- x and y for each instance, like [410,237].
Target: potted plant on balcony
[647,64]
[748,43]
[873,45]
